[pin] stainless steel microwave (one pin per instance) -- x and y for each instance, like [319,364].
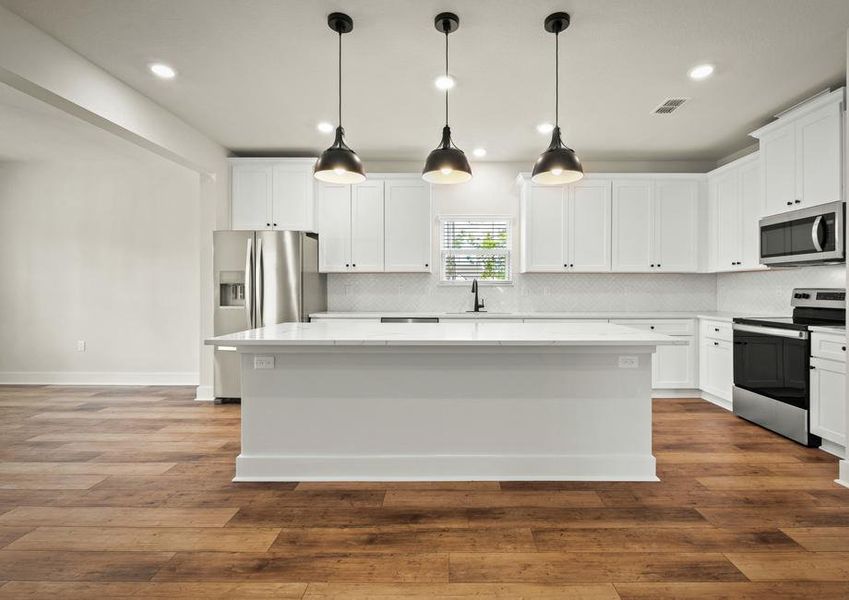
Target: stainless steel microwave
[803,237]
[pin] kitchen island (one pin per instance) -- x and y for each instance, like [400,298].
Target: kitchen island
[343,401]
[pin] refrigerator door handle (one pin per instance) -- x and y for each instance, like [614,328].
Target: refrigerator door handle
[249,286]
[259,283]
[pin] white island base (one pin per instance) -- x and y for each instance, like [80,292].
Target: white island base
[406,410]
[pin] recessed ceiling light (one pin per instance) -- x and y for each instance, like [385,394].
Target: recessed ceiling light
[479,152]
[701,72]
[163,71]
[545,127]
[325,127]
[444,82]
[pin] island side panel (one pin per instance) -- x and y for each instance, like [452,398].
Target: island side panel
[332,413]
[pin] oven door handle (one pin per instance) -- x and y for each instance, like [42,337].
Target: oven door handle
[775,331]
[815,233]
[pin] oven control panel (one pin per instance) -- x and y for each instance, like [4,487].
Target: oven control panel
[819,297]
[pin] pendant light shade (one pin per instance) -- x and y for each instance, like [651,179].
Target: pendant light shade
[446,164]
[559,164]
[339,164]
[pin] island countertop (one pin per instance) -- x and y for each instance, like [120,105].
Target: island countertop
[323,333]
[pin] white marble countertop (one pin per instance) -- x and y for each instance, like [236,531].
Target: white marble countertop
[835,329]
[348,333]
[719,316]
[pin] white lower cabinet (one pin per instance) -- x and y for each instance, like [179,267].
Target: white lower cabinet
[828,387]
[716,360]
[673,367]
[828,400]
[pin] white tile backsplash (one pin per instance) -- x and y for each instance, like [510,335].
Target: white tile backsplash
[768,292]
[539,292]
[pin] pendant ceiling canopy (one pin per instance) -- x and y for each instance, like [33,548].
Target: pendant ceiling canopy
[559,164]
[446,164]
[340,164]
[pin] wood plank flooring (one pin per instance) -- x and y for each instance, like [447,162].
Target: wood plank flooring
[120,492]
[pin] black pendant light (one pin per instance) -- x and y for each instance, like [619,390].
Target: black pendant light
[447,163]
[339,164]
[558,164]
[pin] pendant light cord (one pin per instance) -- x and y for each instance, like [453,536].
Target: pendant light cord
[557,79]
[446,75]
[340,80]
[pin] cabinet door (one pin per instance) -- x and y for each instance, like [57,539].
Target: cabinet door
[367,226]
[716,373]
[673,367]
[632,225]
[588,226]
[292,203]
[778,161]
[828,400]
[818,156]
[544,231]
[408,227]
[334,235]
[676,225]
[750,205]
[725,203]
[251,198]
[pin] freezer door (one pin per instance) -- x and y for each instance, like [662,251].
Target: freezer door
[233,270]
[278,277]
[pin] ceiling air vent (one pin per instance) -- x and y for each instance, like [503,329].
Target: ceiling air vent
[669,106]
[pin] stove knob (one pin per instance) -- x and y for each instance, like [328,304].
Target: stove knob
[797,295]
[805,296]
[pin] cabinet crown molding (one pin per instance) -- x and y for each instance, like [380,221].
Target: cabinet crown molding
[833,97]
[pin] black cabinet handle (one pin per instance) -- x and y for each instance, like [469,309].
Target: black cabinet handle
[268,224]
[843,348]
[658,264]
[565,265]
[652,266]
[354,265]
[347,265]
[571,265]
[716,328]
[651,326]
[812,367]
[275,224]
[427,265]
[798,201]
[789,204]
[716,343]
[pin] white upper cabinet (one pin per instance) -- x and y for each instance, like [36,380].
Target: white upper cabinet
[734,210]
[334,238]
[408,225]
[566,228]
[589,226]
[251,196]
[633,225]
[273,193]
[366,226]
[656,224]
[676,235]
[382,224]
[801,155]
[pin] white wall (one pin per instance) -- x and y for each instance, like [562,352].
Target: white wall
[767,293]
[104,251]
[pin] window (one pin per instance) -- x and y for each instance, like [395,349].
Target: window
[475,248]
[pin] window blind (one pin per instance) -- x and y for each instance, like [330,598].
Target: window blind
[475,249]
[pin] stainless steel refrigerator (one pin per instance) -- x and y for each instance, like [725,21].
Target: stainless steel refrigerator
[261,278]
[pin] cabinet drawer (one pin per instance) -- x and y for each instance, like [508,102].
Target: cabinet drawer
[664,326]
[828,346]
[716,330]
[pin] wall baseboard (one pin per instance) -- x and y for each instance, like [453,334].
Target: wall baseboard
[205,393]
[99,378]
[675,393]
[844,474]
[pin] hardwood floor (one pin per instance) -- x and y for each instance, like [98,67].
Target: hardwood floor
[125,492]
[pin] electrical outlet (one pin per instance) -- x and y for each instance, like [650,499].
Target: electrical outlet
[629,362]
[80,345]
[263,362]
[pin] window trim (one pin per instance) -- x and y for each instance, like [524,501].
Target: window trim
[482,218]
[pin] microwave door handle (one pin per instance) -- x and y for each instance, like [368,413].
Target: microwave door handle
[249,285]
[815,233]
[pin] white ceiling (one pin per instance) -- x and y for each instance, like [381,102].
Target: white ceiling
[257,75]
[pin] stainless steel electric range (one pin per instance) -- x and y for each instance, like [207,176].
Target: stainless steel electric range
[772,360]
